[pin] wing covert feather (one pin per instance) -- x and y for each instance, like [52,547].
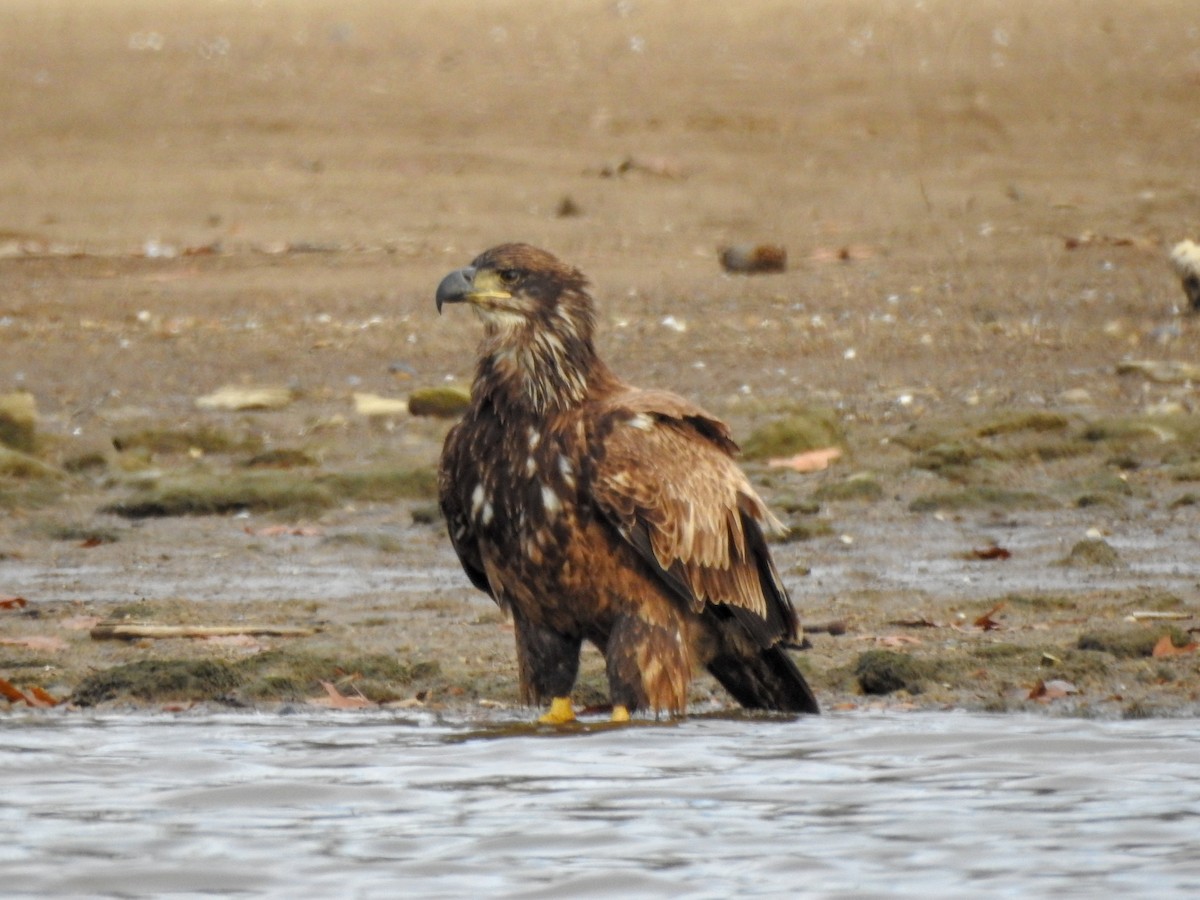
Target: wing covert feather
[667,479]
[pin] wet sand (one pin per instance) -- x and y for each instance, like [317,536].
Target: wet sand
[976,203]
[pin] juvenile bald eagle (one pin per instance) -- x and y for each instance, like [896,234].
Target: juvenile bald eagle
[595,511]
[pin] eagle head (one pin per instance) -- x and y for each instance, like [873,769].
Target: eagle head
[538,324]
[515,287]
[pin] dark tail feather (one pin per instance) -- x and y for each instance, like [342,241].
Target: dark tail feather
[767,681]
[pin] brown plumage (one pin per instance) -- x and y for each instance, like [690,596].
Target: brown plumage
[592,510]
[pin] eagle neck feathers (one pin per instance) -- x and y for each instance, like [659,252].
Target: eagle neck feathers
[544,366]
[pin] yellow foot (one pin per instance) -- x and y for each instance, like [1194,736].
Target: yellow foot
[620,713]
[561,712]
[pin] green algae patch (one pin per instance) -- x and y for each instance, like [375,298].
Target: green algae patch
[90,462]
[797,432]
[281,458]
[1103,488]
[90,535]
[283,492]
[801,529]
[948,457]
[383,484]
[295,674]
[159,680]
[1170,431]
[1188,471]
[1024,420]
[445,402]
[1037,602]
[18,421]
[1132,642]
[275,675]
[202,439]
[28,483]
[1092,553]
[862,486]
[982,497]
[207,494]
[16,464]
[886,671]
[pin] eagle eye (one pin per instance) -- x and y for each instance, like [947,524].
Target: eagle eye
[509,276]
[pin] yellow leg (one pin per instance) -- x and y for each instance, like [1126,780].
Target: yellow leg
[620,713]
[561,712]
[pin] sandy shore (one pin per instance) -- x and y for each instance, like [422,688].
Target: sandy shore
[976,202]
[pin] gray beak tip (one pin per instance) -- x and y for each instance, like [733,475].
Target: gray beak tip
[454,287]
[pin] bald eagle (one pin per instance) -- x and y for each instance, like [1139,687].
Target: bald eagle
[594,511]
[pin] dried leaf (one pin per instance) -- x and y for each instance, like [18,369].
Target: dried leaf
[811,461]
[338,700]
[986,622]
[13,603]
[1054,689]
[1166,647]
[993,552]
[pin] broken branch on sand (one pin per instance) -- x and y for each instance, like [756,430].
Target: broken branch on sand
[129,631]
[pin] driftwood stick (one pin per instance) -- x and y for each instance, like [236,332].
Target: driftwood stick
[129,631]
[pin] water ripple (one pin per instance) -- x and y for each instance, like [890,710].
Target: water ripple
[935,805]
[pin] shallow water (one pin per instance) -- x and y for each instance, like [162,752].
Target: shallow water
[379,805]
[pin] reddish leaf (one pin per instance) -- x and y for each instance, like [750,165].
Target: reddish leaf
[13,603]
[11,693]
[993,552]
[91,542]
[1166,647]
[986,622]
[44,698]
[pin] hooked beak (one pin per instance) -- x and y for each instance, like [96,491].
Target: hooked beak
[456,287]
[482,289]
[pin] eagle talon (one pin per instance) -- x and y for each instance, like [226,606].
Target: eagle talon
[620,713]
[561,712]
